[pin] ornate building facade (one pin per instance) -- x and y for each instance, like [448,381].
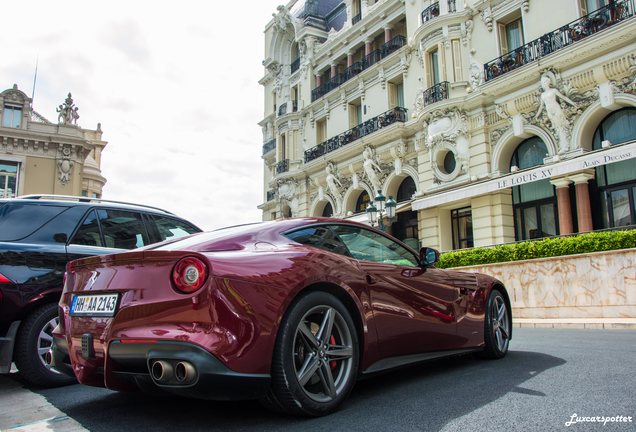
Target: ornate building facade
[38,156]
[489,121]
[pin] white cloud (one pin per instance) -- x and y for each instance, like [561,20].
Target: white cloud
[175,87]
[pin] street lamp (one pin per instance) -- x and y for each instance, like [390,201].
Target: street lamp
[381,209]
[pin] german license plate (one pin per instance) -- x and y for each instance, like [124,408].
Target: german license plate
[94,305]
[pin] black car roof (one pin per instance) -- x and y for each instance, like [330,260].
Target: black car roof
[72,201]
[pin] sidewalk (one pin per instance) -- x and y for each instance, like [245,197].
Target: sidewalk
[23,410]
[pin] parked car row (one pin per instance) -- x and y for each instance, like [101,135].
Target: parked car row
[39,234]
[290,312]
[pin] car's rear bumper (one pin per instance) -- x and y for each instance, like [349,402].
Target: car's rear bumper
[130,365]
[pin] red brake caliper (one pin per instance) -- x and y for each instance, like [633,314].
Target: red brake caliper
[332,341]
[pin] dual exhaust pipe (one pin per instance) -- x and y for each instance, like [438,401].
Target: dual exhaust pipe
[179,373]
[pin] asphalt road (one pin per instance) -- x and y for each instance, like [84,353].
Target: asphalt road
[548,376]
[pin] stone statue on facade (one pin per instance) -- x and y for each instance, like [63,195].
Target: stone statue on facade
[550,100]
[334,185]
[370,168]
[67,112]
[475,71]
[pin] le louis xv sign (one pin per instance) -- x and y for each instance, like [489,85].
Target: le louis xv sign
[586,161]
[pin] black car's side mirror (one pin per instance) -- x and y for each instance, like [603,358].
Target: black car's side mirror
[60,237]
[428,256]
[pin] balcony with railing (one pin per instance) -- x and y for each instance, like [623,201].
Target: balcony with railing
[397,114]
[594,22]
[372,58]
[269,146]
[436,93]
[282,166]
[430,12]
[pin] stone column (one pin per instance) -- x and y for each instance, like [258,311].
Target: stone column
[563,204]
[583,207]
[349,58]
[317,77]
[388,34]
[334,70]
[367,47]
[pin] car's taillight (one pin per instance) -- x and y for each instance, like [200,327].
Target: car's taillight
[189,274]
[4,279]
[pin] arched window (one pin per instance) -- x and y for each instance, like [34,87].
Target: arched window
[534,203]
[616,182]
[363,202]
[328,210]
[406,190]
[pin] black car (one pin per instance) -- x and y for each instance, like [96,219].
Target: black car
[38,236]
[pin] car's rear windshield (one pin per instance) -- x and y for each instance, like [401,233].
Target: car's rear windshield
[18,220]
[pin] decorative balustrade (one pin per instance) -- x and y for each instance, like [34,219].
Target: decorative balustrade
[452,7]
[613,13]
[356,19]
[295,65]
[372,58]
[436,93]
[269,146]
[282,166]
[397,114]
[430,12]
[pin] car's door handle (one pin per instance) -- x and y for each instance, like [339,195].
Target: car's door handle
[370,279]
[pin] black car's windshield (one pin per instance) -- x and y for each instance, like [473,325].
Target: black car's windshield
[18,220]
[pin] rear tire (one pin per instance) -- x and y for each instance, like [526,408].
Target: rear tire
[33,340]
[315,363]
[497,326]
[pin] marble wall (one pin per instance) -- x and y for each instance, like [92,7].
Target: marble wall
[600,285]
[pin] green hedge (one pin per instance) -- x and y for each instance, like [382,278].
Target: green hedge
[548,247]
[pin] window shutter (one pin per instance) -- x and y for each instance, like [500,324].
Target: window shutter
[583,7]
[392,95]
[429,68]
[457,60]
[442,62]
[503,40]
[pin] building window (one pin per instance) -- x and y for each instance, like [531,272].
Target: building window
[363,202]
[396,94]
[462,221]
[510,35]
[328,210]
[449,162]
[589,6]
[434,65]
[11,116]
[534,203]
[355,114]
[616,182]
[405,228]
[8,179]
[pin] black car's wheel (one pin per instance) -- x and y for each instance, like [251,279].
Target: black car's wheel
[32,344]
[315,361]
[498,328]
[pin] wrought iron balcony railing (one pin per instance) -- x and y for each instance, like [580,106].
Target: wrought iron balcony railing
[269,146]
[430,12]
[282,166]
[372,58]
[397,114]
[452,7]
[270,195]
[356,19]
[594,22]
[295,65]
[436,93]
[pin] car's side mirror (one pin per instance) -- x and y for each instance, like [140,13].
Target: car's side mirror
[60,237]
[428,256]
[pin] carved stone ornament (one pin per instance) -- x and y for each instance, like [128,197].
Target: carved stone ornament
[466,31]
[334,186]
[67,112]
[486,17]
[64,164]
[475,71]
[372,170]
[282,18]
[447,131]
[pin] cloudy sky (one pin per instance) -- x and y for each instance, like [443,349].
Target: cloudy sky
[174,85]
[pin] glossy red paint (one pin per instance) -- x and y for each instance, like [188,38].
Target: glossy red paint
[255,273]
